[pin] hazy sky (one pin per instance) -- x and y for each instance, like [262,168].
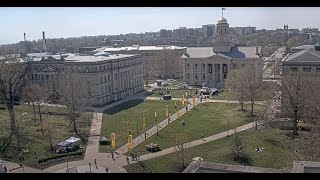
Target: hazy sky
[73,22]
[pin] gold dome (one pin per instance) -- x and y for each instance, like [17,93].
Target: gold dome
[222,20]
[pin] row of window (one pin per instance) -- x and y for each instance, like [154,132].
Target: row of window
[305,69]
[39,76]
[203,76]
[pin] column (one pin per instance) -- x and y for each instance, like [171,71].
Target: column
[221,74]
[213,76]
[191,73]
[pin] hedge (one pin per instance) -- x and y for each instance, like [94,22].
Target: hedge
[44,160]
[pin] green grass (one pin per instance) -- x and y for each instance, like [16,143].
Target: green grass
[33,139]
[225,95]
[116,119]
[277,154]
[173,93]
[207,119]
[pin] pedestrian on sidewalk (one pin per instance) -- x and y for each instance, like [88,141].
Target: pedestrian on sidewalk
[107,170]
[145,135]
[112,155]
[256,126]
[128,161]
[95,163]
[202,136]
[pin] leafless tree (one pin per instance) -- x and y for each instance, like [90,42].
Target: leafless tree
[182,141]
[49,133]
[168,64]
[308,145]
[74,93]
[297,93]
[245,85]
[36,95]
[238,146]
[12,73]
[235,86]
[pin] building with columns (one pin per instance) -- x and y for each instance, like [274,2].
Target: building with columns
[211,65]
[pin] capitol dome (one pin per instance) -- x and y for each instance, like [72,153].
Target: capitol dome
[222,20]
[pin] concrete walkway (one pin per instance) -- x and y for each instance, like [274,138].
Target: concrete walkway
[16,168]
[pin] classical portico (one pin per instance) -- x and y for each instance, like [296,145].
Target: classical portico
[211,65]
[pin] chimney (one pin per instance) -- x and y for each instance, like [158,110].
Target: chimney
[44,42]
[257,50]
[24,37]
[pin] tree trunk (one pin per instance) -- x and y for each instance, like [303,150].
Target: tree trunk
[40,118]
[252,103]
[34,114]
[241,104]
[295,128]
[182,149]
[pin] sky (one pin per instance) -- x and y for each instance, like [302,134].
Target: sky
[63,22]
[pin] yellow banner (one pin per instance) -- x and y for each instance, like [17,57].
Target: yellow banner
[193,101]
[155,114]
[144,123]
[129,142]
[182,101]
[113,140]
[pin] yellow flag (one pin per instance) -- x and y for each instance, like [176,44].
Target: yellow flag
[178,114]
[182,101]
[155,114]
[167,107]
[166,112]
[113,140]
[144,123]
[129,142]
[193,101]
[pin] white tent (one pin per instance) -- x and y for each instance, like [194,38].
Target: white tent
[73,140]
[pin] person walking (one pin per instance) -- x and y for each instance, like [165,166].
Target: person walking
[128,161]
[95,163]
[107,170]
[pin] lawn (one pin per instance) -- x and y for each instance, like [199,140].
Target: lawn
[173,93]
[225,95]
[277,154]
[32,138]
[116,119]
[207,119]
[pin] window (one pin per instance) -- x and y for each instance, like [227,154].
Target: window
[188,76]
[47,77]
[36,76]
[108,78]
[105,78]
[188,66]
[224,76]
[109,89]
[101,80]
[294,69]
[100,68]
[203,76]
[306,69]
[104,67]
[225,68]
[32,76]
[203,66]
[318,69]
[116,76]
[196,75]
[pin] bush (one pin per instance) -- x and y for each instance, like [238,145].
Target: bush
[301,127]
[77,153]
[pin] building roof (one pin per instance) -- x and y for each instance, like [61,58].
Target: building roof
[244,52]
[303,47]
[78,58]
[304,56]
[235,52]
[222,20]
[141,48]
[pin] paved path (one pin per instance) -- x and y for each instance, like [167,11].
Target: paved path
[16,168]
[153,130]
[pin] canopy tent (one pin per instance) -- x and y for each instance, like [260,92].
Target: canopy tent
[73,140]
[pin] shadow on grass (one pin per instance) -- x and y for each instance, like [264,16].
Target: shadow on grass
[123,106]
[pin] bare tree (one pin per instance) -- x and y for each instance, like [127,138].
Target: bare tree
[237,147]
[36,95]
[74,93]
[297,92]
[245,85]
[12,73]
[235,87]
[168,63]
[308,146]
[182,141]
[49,133]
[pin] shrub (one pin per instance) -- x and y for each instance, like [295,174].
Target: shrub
[44,160]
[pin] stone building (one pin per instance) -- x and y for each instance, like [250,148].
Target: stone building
[304,58]
[211,65]
[149,56]
[109,77]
